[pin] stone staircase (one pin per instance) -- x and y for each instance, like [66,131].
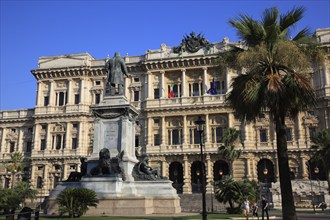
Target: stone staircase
[193,203]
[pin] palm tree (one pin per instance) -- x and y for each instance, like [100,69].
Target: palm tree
[322,151]
[228,191]
[76,201]
[228,150]
[276,80]
[15,164]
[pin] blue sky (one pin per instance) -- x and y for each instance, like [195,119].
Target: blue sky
[30,29]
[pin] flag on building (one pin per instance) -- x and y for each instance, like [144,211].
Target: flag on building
[212,90]
[171,92]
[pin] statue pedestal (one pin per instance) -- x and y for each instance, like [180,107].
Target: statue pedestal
[125,198]
[114,129]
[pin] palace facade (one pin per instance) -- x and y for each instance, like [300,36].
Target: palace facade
[170,90]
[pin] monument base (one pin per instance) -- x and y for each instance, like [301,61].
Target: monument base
[125,198]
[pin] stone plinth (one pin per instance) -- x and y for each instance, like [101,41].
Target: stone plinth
[114,128]
[127,198]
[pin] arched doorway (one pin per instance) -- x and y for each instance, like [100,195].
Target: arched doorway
[196,176]
[316,171]
[176,175]
[266,171]
[220,169]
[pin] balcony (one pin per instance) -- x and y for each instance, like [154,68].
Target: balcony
[185,101]
[61,109]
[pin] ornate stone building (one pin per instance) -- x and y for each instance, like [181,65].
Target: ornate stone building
[169,86]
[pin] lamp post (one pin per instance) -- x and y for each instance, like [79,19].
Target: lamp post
[200,123]
[316,171]
[310,179]
[265,172]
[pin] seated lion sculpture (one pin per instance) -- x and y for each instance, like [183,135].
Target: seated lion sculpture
[108,165]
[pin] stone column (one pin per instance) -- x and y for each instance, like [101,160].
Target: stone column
[20,142]
[186,176]
[254,169]
[164,168]
[231,120]
[39,94]
[204,81]
[228,80]
[207,129]
[68,138]
[52,95]
[32,179]
[163,130]
[82,91]
[69,94]
[64,171]
[162,81]
[248,168]
[184,130]
[3,140]
[183,83]
[149,131]
[149,92]
[45,175]
[36,138]
[304,170]
[276,168]
[49,138]
[209,174]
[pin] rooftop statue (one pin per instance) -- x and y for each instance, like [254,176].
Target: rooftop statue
[192,43]
[116,70]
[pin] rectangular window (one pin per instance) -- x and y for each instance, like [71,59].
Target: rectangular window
[175,137]
[136,79]
[137,144]
[58,142]
[136,96]
[156,139]
[196,89]
[97,98]
[61,98]
[169,137]
[46,100]
[42,144]
[156,121]
[74,143]
[190,136]
[263,135]
[312,132]
[197,139]
[176,90]
[75,126]
[156,93]
[97,83]
[12,147]
[219,132]
[289,134]
[76,99]
[28,146]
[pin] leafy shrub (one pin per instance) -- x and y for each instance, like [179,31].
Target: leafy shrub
[75,201]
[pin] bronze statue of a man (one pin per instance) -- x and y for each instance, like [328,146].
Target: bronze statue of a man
[116,70]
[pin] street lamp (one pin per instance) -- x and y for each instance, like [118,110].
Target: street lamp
[316,171]
[310,179]
[200,124]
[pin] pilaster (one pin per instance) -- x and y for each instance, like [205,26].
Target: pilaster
[162,89]
[183,83]
[163,130]
[204,81]
[186,178]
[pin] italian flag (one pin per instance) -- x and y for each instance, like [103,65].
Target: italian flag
[171,92]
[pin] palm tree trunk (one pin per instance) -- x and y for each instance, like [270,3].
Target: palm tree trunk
[288,207]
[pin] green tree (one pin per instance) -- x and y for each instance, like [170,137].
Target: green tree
[75,201]
[322,151]
[11,199]
[234,192]
[228,150]
[275,80]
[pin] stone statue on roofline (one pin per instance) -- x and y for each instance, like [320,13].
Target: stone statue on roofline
[116,72]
